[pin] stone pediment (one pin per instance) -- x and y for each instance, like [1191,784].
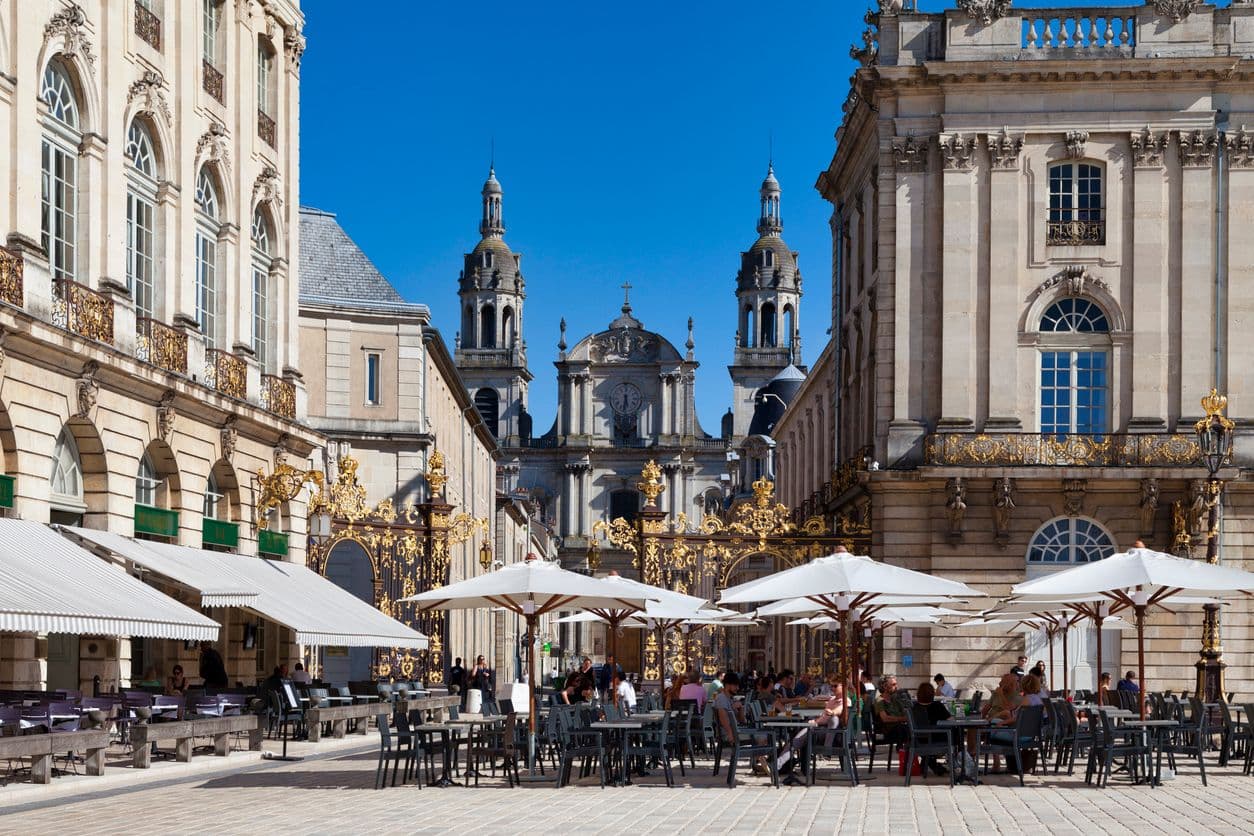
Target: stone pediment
[624,345]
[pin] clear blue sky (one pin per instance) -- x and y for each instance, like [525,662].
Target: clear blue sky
[631,140]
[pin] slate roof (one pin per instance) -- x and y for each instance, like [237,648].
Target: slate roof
[332,266]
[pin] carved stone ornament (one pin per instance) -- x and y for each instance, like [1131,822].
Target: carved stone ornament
[889,7]
[1075,280]
[1198,148]
[1073,496]
[3,354]
[624,346]
[70,25]
[274,29]
[1198,507]
[280,450]
[1003,508]
[1147,148]
[215,145]
[985,11]
[1004,149]
[865,54]
[268,189]
[1149,505]
[1076,141]
[228,437]
[955,507]
[147,92]
[86,390]
[956,150]
[294,43]
[166,415]
[1240,148]
[910,154]
[1177,10]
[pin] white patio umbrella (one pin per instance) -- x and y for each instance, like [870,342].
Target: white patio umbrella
[878,620]
[615,616]
[1139,579]
[531,588]
[841,582]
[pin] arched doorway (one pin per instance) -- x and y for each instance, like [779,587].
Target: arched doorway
[348,567]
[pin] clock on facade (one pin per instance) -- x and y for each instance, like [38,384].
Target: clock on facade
[625,399]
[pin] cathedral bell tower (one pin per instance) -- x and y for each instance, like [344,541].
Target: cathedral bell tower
[768,296]
[491,353]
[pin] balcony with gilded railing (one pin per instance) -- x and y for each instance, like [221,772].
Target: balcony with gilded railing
[278,396]
[1069,450]
[267,129]
[11,270]
[147,25]
[80,309]
[226,373]
[213,81]
[1075,233]
[161,345]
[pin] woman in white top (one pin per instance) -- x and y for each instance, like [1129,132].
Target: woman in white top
[624,694]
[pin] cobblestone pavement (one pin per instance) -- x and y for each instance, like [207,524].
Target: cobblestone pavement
[333,793]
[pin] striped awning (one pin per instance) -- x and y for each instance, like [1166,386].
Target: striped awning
[320,612]
[182,566]
[50,585]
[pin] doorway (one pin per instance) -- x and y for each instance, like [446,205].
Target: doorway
[348,567]
[1081,653]
[62,662]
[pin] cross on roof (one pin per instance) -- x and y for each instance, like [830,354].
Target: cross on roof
[626,286]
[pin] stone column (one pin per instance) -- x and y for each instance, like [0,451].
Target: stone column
[905,431]
[1197,269]
[664,425]
[1004,299]
[587,418]
[585,500]
[958,285]
[1240,372]
[1150,300]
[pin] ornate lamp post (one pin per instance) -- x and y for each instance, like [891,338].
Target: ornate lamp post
[485,555]
[1214,437]
[594,554]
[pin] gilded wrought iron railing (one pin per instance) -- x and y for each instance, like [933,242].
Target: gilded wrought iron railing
[11,267]
[147,25]
[213,81]
[278,396]
[161,345]
[1071,450]
[1075,233]
[267,129]
[80,309]
[226,373]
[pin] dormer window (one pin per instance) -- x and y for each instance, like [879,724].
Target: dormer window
[487,261]
[768,258]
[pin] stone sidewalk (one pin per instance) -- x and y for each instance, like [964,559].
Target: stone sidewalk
[333,793]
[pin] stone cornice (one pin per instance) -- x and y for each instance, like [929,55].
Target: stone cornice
[1088,70]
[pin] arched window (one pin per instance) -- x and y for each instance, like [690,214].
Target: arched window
[507,325]
[768,325]
[789,326]
[750,326]
[1075,368]
[67,474]
[207,226]
[261,286]
[489,405]
[1076,198]
[147,483]
[1069,540]
[141,198]
[487,327]
[59,171]
[215,500]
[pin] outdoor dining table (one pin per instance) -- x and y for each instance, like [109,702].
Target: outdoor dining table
[1153,731]
[981,725]
[787,725]
[471,722]
[442,729]
[622,727]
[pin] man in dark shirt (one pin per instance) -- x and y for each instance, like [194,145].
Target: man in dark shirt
[457,676]
[1128,683]
[606,674]
[212,669]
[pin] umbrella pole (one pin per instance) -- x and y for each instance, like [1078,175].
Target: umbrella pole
[1098,619]
[531,694]
[845,642]
[1066,688]
[1140,654]
[1049,639]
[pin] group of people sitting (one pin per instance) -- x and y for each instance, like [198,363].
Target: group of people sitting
[610,684]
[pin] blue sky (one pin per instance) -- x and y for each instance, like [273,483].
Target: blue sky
[631,140]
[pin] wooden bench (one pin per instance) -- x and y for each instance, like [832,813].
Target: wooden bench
[41,748]
[436,704]
[183,732]
[339,715]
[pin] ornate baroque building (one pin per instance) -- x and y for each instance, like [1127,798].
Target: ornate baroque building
[1041,267]
[147,293]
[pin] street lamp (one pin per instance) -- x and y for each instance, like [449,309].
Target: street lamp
[485,555]
[1214,437]
[594,554]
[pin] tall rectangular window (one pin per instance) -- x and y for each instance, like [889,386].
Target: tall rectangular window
[59,209]
[261,281]
[1074,392]
[265,73]
[139,253]
[210,43]
[373,392]
[206,289]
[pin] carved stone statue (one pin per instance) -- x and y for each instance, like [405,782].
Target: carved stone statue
[955,507]
[1149,505]
[1198,507]
[86,390]
[1181,542]
[1003,508]
[228,437]
[165,417]
[1073,496]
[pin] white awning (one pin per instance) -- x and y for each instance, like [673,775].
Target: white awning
[320,612]
[185,567]
[50,585]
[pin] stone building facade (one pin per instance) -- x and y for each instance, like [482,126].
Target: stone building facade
[1040,268]
[148,302]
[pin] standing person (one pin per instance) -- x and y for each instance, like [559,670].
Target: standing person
[212,669]
[943,688]
[1018,668]
[457,676]
[481,677]
[1038,670]
[624,694]
[608,671]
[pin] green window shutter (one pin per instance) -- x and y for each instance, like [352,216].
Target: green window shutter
[272,542]
[156,521]
[6,491]
[219,533]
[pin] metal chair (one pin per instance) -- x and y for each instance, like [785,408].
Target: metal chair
[1108,744]
[1193,739]
[392,744]
[839,743]
[650,744]
[743,744]
[1025,735]
[926,741]
[578,742]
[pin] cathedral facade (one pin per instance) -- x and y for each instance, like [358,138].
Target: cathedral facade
[625,397]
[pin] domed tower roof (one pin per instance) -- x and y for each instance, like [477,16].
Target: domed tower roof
[773,399]
[769,263]
[492,265]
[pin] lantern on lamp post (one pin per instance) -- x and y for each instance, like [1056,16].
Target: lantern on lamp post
[485,555]
[1214,438]
[594,554]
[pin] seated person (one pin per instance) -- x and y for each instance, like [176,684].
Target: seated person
[622,693]
[299,674]
[1001,708]
[832,718]
[176,682]
[931,712]
[890,715]
[673,692]
[1128,683]
[693,690]
[943,688]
